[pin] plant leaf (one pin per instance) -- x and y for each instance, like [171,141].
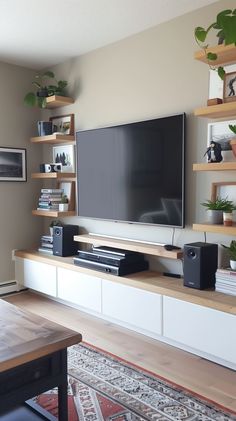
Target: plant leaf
[211,56]
[221,72]
[41,102]
[36,84]
[200,34]
[30,99]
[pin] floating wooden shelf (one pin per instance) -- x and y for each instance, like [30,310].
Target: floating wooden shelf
[53,138]
[219,229]
[54,175]
[218,166]
[57,101]
[228,109]
[52,214]
[138,246]
[226,54]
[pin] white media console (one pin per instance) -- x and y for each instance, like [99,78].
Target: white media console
[201,322]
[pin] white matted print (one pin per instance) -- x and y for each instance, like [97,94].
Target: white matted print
[219,132]
[216,83]
[12,164]
[65,154]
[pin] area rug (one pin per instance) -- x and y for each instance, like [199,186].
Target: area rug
[102,387]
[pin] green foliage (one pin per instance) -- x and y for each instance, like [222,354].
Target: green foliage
[232,128]
[224,205]
[56,223]
[44,89]
[231,250]
[225,25]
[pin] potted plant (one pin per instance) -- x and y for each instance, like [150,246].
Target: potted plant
[55,223]
[225,25]
[232,253]
[64,205]
[44,89]
[216,207]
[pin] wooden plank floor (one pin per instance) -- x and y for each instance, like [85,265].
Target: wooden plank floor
[201,376]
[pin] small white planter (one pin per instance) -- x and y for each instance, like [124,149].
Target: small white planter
[63,207]
[233,264]
[228,219]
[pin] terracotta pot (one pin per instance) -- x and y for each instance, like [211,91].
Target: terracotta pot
[228,219]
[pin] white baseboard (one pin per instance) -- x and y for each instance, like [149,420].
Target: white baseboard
[9,287]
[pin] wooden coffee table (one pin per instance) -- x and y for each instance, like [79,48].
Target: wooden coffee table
[33,358]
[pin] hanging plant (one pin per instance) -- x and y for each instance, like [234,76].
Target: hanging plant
[225,25]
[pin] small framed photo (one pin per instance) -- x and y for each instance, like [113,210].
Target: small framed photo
[63,124]
[64,154]
[12,164]
[229,87]
[68,188]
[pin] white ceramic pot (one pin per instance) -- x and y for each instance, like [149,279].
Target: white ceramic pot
[233,264]
[63,207]
[228,219]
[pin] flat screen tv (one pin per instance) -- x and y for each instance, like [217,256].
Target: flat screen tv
[133,172]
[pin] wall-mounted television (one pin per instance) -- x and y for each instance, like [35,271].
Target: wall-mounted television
[133,172]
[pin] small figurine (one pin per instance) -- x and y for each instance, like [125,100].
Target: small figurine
[213,152]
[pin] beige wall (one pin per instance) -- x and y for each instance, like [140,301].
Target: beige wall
[145,76]
[18,229]
[148,75]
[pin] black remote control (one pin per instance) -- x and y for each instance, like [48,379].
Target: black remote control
[170,247]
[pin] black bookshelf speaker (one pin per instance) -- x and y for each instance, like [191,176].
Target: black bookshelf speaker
[63,240]
[200,265]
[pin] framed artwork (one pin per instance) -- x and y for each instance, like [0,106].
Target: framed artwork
[229,87]
[65,154]
[63,124]
[219,132]
[12,164]
[216,83]
[69,190]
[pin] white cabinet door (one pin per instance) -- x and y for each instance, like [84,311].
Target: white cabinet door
[80,289]
[133,306]
[40,276]
[202,328]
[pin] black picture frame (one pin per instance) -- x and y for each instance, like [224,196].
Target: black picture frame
[13,164]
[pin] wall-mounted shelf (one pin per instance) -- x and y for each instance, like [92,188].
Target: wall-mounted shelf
[227,109]
[219,229]
[226,54]
[53,138]
[52,214]
[56,101]
[140,247]
[54,175]
[215,166]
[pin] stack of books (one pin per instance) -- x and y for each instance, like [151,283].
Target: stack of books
[46,244]
[50,199]
[226,281]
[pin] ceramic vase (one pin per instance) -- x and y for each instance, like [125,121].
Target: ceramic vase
[233,264]
[215,216]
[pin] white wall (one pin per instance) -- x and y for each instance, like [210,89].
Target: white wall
[18,229]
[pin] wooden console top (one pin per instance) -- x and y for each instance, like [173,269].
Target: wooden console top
[148,281]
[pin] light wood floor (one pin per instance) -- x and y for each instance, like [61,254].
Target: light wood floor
[201,376]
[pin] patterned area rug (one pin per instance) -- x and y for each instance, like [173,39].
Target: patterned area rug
[103,387]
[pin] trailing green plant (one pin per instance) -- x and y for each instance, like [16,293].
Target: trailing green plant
[56,223]
[225,24]
[232,127]
[221,204]
[44,89]
[231,250]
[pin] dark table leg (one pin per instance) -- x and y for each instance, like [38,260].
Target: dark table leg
[62,390]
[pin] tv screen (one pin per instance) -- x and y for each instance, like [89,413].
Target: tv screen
[133,172]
